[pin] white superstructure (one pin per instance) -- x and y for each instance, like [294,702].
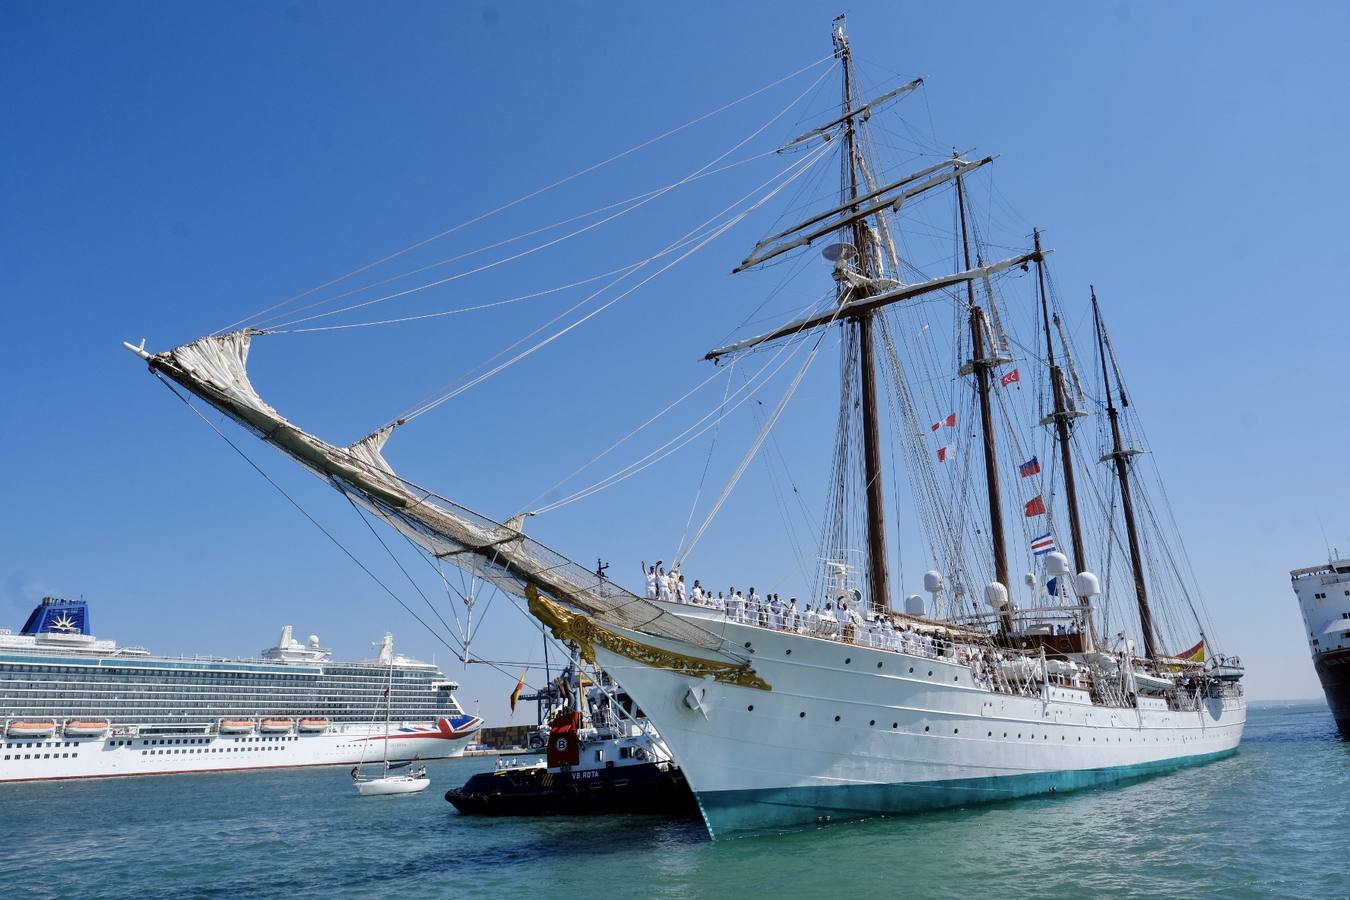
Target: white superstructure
[72,706]
[1324,600]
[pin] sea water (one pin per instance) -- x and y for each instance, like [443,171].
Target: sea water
[1271,821]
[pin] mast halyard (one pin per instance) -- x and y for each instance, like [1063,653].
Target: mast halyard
[980,365]
[878,569]
[1121,456]
[1062,417]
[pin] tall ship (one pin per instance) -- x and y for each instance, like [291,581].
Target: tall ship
[76,706]
[1094,664]
[1324,600]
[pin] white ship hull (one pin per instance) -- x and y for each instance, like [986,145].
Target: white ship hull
[64,757]
[849,732]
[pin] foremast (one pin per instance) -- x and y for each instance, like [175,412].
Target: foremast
[869,267]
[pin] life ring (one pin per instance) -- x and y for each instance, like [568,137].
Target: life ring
[536,742]
[640,753]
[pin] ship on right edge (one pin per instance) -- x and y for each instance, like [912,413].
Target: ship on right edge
[1324,599]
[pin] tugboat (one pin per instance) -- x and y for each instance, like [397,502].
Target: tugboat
[603,756]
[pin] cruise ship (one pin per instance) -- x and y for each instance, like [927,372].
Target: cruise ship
[1324,599]
[74,706]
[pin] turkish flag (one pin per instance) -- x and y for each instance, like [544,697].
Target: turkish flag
[1035,506]
[1011,377]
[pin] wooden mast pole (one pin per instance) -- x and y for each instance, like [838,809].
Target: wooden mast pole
[1120,457]
[980,365]
[1061,417]
[878,570]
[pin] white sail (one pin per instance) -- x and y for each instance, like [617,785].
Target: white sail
[215,369]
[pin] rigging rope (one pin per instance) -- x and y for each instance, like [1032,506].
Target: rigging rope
[800,167]
[634,201]
[532,194]
[758,442]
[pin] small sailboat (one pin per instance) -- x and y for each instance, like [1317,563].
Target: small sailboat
[394,780]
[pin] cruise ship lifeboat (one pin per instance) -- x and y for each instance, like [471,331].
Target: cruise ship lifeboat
[31,728]
[313,726]
[276,726]
[236,726]
[86,727]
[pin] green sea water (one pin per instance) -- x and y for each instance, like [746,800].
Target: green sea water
[1271,821]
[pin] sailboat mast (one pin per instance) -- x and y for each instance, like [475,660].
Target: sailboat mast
[388,713]
[981,364]
[1061,420]
[1121,458]
[878,573]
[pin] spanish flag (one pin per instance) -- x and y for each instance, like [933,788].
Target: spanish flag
[520,686]
[1195,654]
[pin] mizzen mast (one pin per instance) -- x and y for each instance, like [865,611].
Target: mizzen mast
[1120,455]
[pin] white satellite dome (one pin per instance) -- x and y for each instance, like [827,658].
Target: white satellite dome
[996,595]
[314,641]
[1056,564]
[914,605]
[932,582]
[1087,585]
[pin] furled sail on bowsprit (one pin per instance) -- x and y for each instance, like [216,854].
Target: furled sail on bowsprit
[215,368]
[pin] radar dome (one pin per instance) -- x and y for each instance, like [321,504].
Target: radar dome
[314,641]
[914,605]
[996,595]
[932,582]
[1056,564]
[1087,585]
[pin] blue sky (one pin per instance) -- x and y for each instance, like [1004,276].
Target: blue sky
[170,168]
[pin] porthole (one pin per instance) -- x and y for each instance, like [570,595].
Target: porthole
[873,722]
[878,665]
[930,673]
[787,652]
[911,670]
[925,728]
[801,715]
[991,734]
[750,708]
[836,718]
[847,660]
[747,645]
[956,731]
[895,724]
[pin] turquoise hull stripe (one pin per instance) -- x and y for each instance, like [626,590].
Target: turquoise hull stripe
[729,813]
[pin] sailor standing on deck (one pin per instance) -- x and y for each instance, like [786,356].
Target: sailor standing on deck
[680,595]
[650,572]
[662,585]
[697,596]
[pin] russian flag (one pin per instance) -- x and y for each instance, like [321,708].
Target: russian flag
[1043,544]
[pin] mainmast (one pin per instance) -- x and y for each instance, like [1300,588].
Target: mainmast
[980,365]
[1121,457]
[1061,416]
[878,571]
